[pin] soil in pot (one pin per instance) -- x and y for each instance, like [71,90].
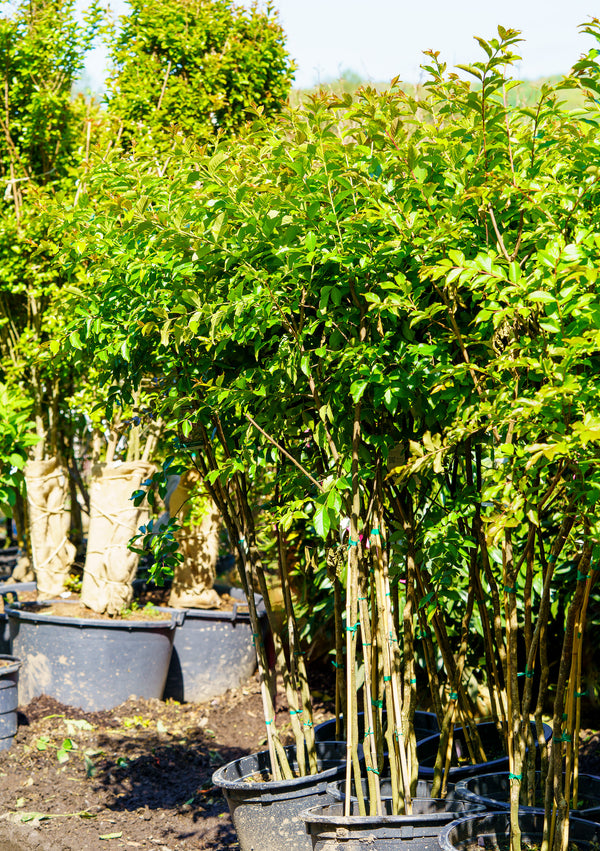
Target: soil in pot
[266,814]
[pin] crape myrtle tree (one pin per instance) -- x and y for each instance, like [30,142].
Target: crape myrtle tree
[392,302]
[44,144]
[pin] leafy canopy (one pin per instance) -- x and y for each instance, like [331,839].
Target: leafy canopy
[197,66]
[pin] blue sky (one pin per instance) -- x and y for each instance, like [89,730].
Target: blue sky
[380,39]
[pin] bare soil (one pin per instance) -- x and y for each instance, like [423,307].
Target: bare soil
[138,776]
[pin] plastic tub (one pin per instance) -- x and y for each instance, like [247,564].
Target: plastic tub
[266,815]
[493,829]
[9,676]
[493,792]
[91,663]
[428,748]
[425,724]
[331,830]
[213,651]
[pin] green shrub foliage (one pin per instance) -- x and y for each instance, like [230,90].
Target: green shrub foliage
[390,302]
[196,67]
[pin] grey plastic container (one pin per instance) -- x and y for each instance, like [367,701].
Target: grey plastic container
[15,588]
[266,815]
[425,724]
[330,830]
[427,751]
[9,677]
[213,650]
[91,663]
[492,829]
[493,792]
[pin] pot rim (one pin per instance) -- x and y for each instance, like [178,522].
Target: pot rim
[12,668]
[269,786]
[446,845]
[14,610]
[499,764]
[461,788]
[316,815]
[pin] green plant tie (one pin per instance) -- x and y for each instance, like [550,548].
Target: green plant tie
[374,770]
[378,704]
[269,722]
[512,776]
[564,738]
[565,716]
[375,532]
[581,693]
[366,643]
[388,593]
[254,637]
[368,732]
[296,711]
[582,577]
[352,543]
[413,682]
[387,679]
[453,695]
[362,598]
[551,558]
[398,734]
[335,664]
[308,724]
[353,629]
[510,590]
[526,673]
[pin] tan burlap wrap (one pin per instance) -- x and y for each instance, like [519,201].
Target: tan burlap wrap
[199,544]
[109,565]
[53,553]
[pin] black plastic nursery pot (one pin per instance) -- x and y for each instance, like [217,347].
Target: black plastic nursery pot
[91,663]
[266,813]
[337,789]
[9,677]
[492,745]
[425,724]
[330,830]
[15,588]
[493,792]
[492,831]
[213,650]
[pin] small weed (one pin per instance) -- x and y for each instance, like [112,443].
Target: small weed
[136,721]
